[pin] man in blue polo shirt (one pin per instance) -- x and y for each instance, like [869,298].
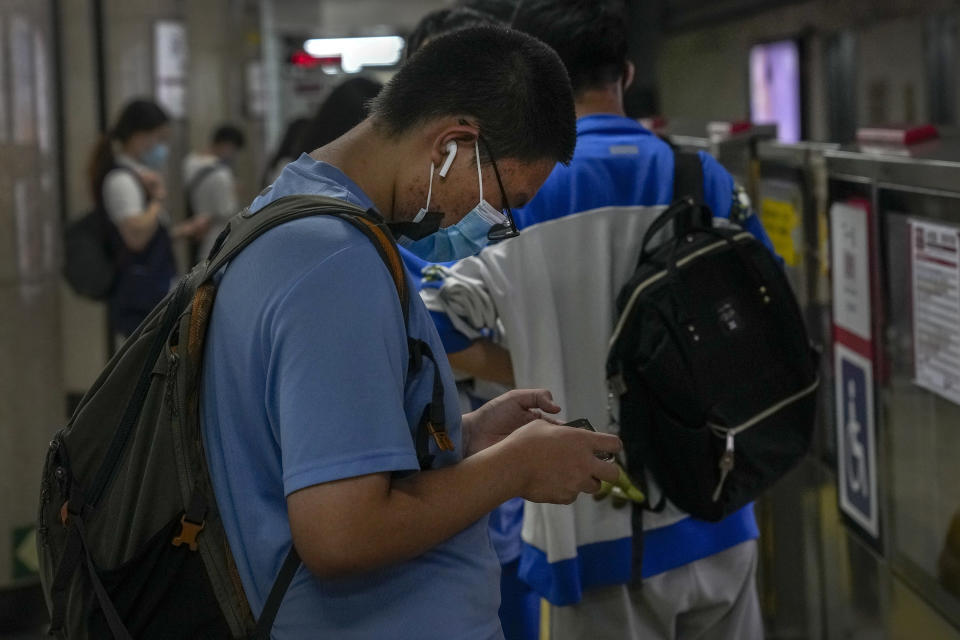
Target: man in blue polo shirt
[552,290]
[310,405]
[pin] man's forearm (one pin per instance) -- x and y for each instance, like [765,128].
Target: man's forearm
[382,521]
[137,231]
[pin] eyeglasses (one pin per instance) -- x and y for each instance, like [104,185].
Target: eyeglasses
[500,232]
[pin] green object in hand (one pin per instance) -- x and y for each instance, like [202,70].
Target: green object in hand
[623,488]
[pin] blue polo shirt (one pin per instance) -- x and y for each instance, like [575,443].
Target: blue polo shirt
[306,381]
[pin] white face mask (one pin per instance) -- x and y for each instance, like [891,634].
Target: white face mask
[463,239]
[156,156]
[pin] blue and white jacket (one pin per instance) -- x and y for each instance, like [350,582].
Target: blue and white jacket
[552,292]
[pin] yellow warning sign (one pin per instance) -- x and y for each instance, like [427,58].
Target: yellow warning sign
[781,220]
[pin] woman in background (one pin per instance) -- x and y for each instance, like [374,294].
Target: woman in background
[344,108]
[127,185]
[285,153]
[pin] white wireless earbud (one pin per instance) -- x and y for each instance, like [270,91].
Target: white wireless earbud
[451,154]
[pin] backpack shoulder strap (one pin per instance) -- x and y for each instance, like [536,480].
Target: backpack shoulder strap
[198,178]
[279,589]
[202,174]
[119,166]
[688,185]
[687,175]
[245,227]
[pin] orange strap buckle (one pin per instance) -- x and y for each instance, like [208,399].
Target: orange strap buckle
[440,437]
[188,533]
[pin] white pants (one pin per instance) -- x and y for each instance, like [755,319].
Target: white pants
[711,599]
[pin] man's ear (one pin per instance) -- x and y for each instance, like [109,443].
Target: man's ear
[629,73]
[457,131]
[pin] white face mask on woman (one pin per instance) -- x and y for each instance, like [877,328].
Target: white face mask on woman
[156,156]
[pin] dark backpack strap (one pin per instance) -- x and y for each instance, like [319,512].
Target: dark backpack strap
[196,181]
[433,421]
[272,606]
[77,549]
[117,628]
[636,543]
[245,227]
[102,209]
[69,561]
[687,183]
[687,175]
[136,176]
[687,209]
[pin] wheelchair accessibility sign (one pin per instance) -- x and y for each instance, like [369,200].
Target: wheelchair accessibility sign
[856,438]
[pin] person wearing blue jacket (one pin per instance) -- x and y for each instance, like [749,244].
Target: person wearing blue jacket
[552,288]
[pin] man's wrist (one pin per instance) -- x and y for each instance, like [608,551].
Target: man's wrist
[507,458]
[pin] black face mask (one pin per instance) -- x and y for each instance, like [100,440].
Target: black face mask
[417,230]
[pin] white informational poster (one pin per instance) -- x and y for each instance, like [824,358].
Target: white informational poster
[850,254]
[170,56]
[935,260]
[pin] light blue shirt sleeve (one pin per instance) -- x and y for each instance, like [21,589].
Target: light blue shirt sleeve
[335,372]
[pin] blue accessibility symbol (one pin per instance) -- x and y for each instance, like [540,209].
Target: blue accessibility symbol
[856,440]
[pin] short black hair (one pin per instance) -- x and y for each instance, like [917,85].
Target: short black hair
[230,134]
[511,85]
[589,35]
[443,21]
[138,116]
[502,10]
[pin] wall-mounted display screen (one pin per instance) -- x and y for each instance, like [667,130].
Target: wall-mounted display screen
[775,87]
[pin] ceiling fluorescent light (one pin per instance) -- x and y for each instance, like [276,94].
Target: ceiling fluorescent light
[356,53]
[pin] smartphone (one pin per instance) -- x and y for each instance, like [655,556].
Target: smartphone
[583,423]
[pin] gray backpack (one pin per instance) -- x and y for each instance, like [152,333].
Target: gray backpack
[130,540]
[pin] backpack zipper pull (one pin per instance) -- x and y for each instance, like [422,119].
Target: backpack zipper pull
[726,466]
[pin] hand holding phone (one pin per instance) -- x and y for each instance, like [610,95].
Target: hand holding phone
[583,423]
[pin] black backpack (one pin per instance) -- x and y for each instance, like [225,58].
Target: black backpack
[91,252]
[129,537]
[90,262]
[710,361]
